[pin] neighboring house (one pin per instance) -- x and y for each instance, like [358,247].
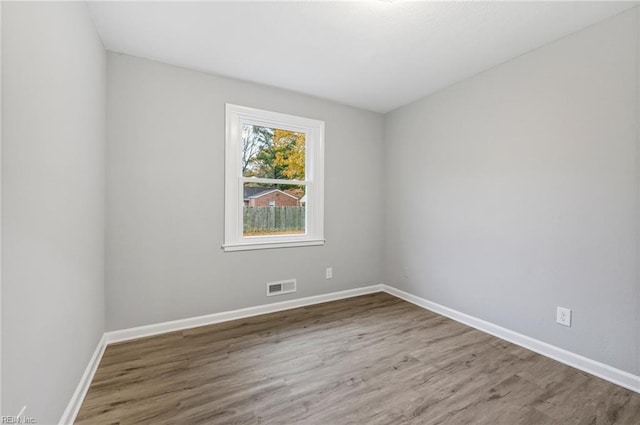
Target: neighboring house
[268,197]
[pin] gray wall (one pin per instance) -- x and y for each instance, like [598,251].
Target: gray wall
[53,187]
[165,196]
[516,191]
[638,198]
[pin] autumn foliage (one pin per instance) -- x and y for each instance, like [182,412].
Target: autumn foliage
[274,153]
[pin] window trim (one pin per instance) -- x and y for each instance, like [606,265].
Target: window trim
[234,240]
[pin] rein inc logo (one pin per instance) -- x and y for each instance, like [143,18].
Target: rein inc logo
[18,419]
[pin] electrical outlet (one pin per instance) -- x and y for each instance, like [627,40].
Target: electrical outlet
[329,272]
[563,316]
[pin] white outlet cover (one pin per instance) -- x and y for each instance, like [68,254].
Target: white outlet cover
[563,316]
[329,273]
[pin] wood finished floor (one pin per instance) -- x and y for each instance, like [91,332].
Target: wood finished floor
[369,360]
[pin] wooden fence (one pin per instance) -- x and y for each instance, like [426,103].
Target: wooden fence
[273,219]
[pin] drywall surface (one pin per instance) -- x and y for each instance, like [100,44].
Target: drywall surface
[165,194]
[638,198]
[516,191]
[53,190]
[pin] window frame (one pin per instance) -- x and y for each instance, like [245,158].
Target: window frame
[234,240]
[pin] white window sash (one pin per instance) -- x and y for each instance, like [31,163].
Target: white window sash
[236,117]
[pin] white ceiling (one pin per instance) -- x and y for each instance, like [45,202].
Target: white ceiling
[376,55]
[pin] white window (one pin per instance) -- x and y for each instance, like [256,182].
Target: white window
[274,180]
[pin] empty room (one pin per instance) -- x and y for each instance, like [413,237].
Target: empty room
[320,213]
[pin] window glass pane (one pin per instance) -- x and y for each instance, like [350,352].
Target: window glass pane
[274,209]
[272,153]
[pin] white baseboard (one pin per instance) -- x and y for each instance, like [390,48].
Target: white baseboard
[209,319]
[70,413]
[601,370]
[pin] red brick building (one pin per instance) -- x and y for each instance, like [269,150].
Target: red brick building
[268,197]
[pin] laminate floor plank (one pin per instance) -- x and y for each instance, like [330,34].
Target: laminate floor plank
[371,360]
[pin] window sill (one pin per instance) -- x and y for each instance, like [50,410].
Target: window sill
[271,245]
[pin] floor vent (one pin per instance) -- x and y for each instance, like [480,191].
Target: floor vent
[281,287]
